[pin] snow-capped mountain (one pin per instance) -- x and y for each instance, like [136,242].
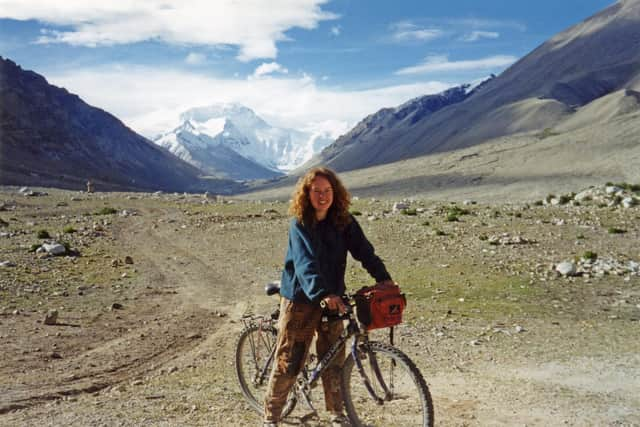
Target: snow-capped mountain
[231,140]
[208,155]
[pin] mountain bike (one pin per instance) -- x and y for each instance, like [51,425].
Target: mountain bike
[381,386]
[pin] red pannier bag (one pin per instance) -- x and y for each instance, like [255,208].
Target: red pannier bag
[380,306]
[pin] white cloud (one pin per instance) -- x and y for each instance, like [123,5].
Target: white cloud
[477,35]
[145,101]
[407,31]
[195,58]
[269,68]
[439,63]
[200,22]
[335,30]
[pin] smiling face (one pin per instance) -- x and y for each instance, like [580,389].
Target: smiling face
[321,196]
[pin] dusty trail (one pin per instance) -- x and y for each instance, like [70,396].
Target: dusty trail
[169,314]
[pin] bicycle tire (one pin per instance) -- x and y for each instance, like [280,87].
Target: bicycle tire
[249,363]
[409,403]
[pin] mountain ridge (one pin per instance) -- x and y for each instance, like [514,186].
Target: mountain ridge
[51,137]
[577,66]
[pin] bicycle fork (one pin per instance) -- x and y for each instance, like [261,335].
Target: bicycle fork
[373,362]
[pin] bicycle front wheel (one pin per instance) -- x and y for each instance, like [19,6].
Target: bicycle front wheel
[400,394]
[254,358]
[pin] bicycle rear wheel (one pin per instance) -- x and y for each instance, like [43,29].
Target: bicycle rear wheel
[407,401]
[254,359]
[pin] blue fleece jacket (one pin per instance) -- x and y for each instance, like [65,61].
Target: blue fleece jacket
[316,259]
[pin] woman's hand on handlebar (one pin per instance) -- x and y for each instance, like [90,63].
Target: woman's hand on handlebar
[335,303]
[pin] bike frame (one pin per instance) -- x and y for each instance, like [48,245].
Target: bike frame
[309,379]
[351,331]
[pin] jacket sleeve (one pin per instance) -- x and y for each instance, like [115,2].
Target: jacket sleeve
[305,263]
[362,250]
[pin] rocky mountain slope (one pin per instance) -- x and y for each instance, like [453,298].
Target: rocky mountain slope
[544,90]
[232,141]
[51,137]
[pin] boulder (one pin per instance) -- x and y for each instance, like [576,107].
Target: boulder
[54,248]
[566,268]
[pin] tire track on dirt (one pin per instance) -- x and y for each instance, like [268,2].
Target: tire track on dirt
[166,319]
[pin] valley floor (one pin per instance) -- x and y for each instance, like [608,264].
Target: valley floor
[150,299]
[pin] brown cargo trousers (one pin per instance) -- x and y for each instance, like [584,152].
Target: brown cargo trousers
[297,325]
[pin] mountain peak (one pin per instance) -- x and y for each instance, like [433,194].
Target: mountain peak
[233,126]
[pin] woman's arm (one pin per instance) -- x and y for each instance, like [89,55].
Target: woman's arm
[362,250]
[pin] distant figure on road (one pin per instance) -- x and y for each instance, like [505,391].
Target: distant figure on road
[89,186]
[321,233]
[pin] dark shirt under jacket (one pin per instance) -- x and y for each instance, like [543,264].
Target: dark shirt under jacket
[316,260]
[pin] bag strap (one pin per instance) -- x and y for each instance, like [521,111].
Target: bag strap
[391,335]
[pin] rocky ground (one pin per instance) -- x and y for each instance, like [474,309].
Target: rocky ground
[519,314]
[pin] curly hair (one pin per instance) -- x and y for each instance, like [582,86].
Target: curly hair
[302,209]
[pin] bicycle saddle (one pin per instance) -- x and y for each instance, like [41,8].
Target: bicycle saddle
[272,288]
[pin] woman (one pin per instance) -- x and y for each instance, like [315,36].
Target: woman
[320,234]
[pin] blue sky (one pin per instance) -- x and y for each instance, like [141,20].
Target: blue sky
[308,64]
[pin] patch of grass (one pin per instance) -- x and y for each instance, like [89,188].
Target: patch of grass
[433,291]
[538,203]
[356,213]
[68,229]
[439,232]
[410,212]
[592,256]
[458,211]
[34,247]
[616,230]
[629,187]
[106,211]
[452,217]
[426,223]
[483,237]
[43,234]
[580,236]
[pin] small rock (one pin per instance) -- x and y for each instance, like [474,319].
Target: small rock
[520,329]
[51,318]
[116,306]
[628,202]
[400,206]
[128,260]
[7,264]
